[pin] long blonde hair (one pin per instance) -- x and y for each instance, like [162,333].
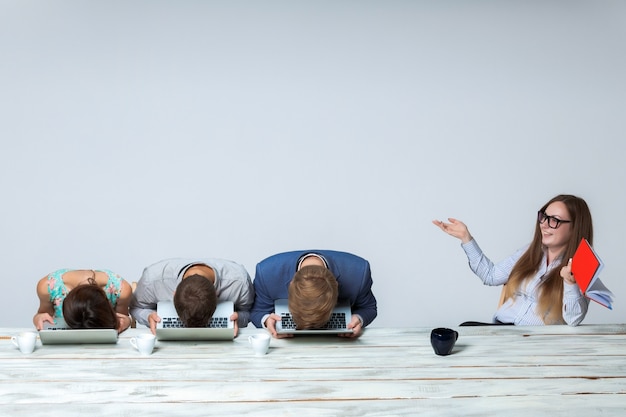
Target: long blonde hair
[551,291]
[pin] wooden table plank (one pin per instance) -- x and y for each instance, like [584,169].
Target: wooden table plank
[216,391]
[529,405]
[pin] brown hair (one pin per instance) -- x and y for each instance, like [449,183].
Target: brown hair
[313,293]
[551,291]
[195,301]
[86,307]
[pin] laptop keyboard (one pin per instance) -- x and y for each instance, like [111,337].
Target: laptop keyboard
[176,323]
[337,321]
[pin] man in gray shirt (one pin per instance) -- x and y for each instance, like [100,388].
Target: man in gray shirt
[160,280]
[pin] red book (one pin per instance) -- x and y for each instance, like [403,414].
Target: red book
[586,267]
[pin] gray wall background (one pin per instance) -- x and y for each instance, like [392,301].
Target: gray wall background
[132,131]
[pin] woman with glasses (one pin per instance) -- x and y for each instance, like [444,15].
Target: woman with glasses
[540,288]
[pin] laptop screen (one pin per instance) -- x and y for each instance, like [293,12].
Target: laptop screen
[220,327]
[60,334]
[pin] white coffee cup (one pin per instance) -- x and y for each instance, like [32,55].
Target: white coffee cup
[25,341]
[260,343]
[144,343]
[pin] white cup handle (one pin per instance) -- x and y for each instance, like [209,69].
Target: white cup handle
[133,342]
[14,341]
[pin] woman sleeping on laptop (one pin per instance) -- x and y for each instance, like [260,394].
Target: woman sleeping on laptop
[85,299]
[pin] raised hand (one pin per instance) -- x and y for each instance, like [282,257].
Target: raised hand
[455,228]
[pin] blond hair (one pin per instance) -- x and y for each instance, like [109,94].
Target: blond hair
[313,293]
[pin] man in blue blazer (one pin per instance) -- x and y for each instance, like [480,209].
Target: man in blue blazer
[348,277]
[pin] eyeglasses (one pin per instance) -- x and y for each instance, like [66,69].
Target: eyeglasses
[553,222]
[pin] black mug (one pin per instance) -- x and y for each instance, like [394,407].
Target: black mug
[443,340]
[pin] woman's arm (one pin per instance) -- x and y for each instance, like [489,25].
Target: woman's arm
[490,273]
[45,313]
[575,304]
[121,308]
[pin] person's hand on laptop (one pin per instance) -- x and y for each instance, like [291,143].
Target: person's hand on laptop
[42,318]
[153,319]
[270,325]
[356,325]
[234,317]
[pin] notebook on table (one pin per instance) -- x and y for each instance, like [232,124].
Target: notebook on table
[60,334]
[220,326]
[339,319]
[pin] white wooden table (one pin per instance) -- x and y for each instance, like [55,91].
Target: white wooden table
[501,371]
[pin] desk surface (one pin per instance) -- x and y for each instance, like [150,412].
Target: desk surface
[503,370]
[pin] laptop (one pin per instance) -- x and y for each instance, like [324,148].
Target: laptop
[220,326]
[60,334]
[339,319]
